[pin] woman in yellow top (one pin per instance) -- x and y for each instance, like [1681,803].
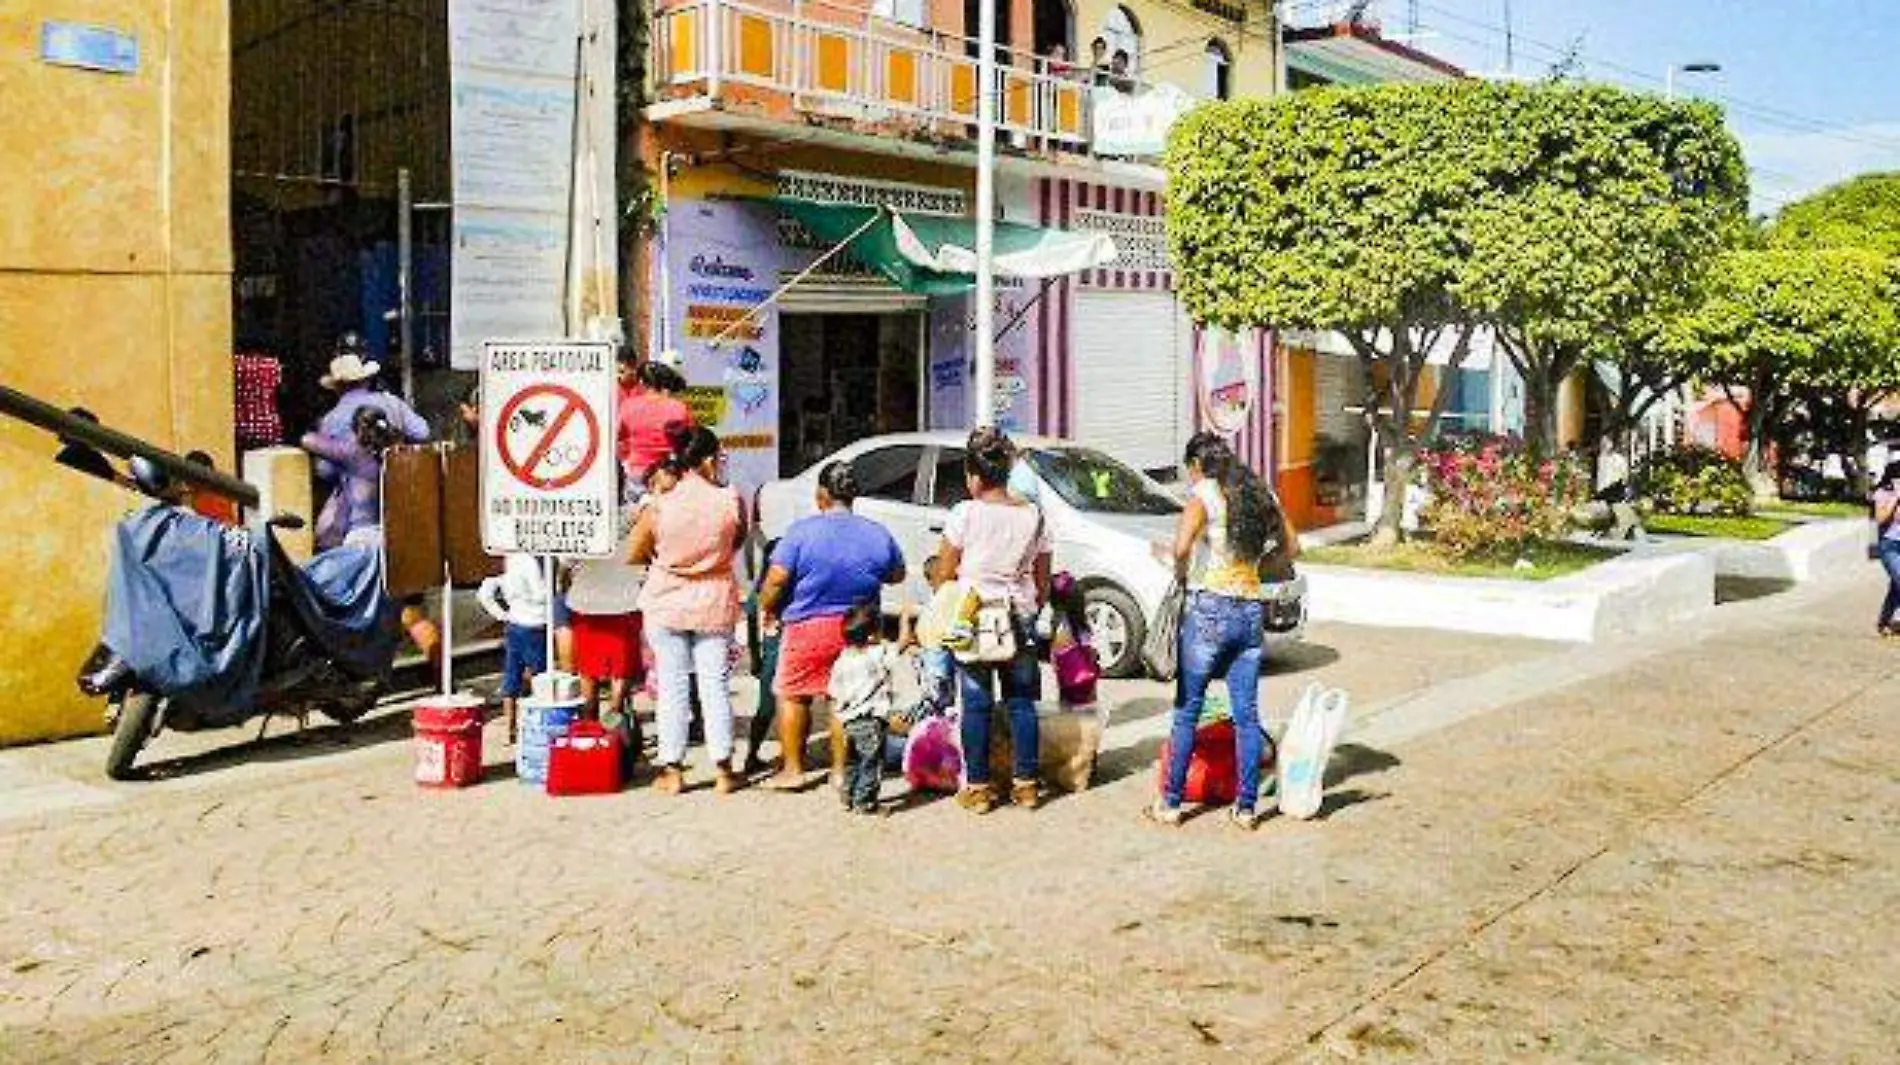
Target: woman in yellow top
[1230,523]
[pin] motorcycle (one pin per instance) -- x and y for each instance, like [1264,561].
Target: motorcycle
[290,644]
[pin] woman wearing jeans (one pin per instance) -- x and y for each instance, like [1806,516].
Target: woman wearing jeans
[688,538]
[997,546]
[1887,524]
[1230,523]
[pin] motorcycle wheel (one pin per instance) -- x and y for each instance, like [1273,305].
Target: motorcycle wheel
[137,711]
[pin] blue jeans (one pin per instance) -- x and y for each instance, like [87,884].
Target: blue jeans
[1022,686]
[1890,559]
[1220,637]
[680,656]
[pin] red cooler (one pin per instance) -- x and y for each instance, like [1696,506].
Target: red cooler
[585,761]
[449,742]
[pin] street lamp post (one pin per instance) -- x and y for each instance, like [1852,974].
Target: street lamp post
[985,389]
[1669,74]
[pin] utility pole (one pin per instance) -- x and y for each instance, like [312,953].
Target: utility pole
[1510,41]
[985,214]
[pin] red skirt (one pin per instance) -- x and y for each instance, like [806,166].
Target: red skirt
[806,652]
[607,646]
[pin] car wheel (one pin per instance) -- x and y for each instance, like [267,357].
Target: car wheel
[1116,628]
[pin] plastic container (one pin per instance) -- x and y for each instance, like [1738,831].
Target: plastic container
[448,742]
[541,721]
[585,761]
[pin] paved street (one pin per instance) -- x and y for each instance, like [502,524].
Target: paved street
[1680,850]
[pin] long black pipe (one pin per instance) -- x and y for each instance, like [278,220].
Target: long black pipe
[79,430]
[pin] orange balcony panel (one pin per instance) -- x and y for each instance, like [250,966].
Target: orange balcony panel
[1069,111]
[834,63]
[1016,107]
[757,45]
[963,90]
[900,77]
[684,27]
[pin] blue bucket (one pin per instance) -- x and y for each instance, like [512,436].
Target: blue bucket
[541,723]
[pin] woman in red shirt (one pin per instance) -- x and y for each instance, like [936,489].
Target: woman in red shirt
[650,400]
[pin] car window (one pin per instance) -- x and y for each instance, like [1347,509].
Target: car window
[950,488]
[1092,482]
[889,473]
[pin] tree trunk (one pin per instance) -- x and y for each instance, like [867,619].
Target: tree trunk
[1398,463]
[1755,459]
[632,181]
[1540,415]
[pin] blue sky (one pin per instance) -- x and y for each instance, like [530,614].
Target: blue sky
[1812,86]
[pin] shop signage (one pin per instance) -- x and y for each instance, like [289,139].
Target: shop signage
[1227,377]
[549,484]
[1135,123]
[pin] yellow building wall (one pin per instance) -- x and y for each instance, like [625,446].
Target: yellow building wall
[1174,38]
[115,286]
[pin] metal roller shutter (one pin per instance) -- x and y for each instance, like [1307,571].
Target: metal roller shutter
[1131,352]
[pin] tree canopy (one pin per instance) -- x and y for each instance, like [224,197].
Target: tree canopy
[1404,216]
[1862,213]
[1774,321]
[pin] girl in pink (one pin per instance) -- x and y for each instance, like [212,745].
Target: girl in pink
[688,538]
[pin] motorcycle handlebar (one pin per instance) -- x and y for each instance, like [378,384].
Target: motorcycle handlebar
[78,430]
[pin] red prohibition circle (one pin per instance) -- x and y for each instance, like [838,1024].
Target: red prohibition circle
[523,470]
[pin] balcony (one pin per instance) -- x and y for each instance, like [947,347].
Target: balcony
[802,62]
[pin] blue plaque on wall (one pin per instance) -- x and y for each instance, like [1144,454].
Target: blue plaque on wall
[73,44]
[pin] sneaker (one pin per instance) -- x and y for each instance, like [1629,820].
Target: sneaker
[669,781]
[1162,814]
[1026,794]
[977,798]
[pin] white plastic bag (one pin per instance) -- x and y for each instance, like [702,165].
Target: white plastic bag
[1307,745]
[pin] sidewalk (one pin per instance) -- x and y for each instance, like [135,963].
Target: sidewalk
[1682,850]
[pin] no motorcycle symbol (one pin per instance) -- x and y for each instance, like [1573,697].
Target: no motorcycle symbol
[547,437]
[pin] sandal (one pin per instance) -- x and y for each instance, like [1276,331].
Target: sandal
[670,780]
[1245,820]
[1162,814]
[1026,794]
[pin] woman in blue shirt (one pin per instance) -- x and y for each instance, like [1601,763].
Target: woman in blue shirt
[825,565]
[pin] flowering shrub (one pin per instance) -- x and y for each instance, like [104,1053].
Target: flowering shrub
[1490,496]
[1697,480]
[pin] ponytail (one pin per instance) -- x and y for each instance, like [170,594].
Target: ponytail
[1253,518]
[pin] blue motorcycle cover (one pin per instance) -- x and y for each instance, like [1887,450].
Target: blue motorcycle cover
[339,596]
[185,606]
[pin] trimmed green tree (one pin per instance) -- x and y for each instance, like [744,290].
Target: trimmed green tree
[1862,213]
[1605,207]
[1777,323]
[1386,215]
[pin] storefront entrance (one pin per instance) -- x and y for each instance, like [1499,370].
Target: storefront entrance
[844,377]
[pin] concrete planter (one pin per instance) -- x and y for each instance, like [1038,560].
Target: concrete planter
[1624,596]
[1804,553]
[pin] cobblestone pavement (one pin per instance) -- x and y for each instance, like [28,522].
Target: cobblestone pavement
[1676,851]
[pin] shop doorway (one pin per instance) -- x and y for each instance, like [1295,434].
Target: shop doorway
[843,377]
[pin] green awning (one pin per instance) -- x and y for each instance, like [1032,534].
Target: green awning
[934,255]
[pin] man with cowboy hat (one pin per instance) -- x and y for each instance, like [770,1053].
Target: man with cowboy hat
[354,379]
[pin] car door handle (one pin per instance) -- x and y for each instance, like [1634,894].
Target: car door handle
[937,527]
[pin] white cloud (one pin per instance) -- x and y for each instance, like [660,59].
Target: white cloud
[1786,166]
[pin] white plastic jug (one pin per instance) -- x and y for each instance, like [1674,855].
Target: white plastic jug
[1307,745]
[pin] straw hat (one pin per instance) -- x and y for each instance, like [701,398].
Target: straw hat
[349,366]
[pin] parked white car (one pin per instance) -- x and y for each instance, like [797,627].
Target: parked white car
[1105,518]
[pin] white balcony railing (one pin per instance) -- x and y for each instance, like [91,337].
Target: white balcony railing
[841,62]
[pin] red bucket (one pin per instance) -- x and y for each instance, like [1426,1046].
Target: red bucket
[449,742]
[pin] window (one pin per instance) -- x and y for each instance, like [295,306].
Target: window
[1093,483]
[1123,34]
[1217,77]
[951,487]
[909,12]
[889,473]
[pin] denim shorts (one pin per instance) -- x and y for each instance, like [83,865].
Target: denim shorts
[524,652]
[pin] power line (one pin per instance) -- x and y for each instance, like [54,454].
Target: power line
[1764,113]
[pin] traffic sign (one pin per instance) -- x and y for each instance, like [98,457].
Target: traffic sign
[550,483]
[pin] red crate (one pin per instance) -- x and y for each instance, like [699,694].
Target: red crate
[585,761]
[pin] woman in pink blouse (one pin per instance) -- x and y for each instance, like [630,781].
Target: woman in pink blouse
[688,538]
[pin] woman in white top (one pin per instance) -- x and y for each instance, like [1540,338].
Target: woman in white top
[1230,523]
[998,547]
